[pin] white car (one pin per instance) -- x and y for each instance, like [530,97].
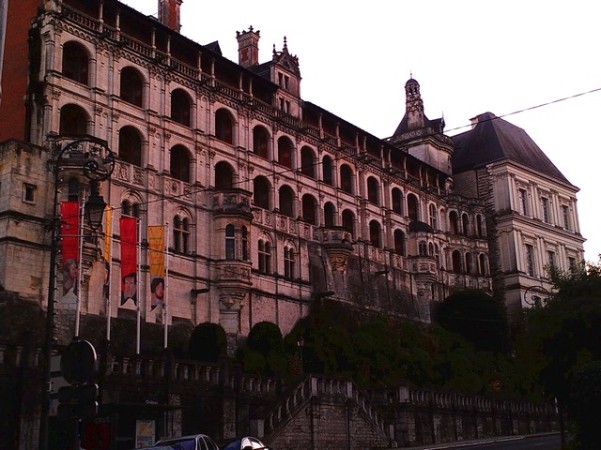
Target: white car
[246,443]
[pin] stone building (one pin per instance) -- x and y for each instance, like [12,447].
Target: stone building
[269,202]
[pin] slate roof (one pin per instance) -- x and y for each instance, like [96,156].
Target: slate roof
[494,139]
[435,124]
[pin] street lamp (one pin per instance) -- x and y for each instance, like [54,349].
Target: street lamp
[536,296]
[93,157]
[300,342]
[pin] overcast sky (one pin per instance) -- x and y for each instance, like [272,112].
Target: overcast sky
[468,56]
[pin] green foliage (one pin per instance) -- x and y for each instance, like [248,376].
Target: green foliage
[208,342]
[584,405]
[265,337]
[478,317]
[264,351]
[565,334]
[375,351]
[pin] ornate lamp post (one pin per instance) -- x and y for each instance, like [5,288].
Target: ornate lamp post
[536,296]
[93,157]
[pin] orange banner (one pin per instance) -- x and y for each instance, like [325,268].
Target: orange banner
[156,256]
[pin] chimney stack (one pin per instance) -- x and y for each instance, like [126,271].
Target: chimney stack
[248,47]
[169,13]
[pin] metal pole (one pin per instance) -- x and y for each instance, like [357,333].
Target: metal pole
[49,335]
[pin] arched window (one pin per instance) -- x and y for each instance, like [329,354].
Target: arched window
[433,216]
[413,206]
[374,233]
[261,141]
[308,161]
[132,86]
[289,263]
[73,187]
[373,190]
[130,146]
[264,253]
[224,126]
[75,62]
[329,215]
[454,222]
[456,261]
[224,176]
[181,234]
[483,264]
[397,200]
[469,263]
[422,248]
[326,168]
[181,105]
[430,249]
[399,243]
[261,190]
[286,201]
[244,242]
[74,120]
[130,209]
[465,224]
[346,179]
[230,242]
[285,150]
[309,209]
[348,221]
[179,163]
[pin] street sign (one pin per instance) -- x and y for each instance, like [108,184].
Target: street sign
[79,362]
[78,401]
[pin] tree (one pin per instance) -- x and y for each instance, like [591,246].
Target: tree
[477,317]
[264,351]
[208,342]
[584,405]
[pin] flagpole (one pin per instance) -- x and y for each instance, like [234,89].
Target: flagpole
[138,298]
[109,262]
[166,294]
[79,269]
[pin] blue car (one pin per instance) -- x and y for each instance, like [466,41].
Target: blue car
[192,442]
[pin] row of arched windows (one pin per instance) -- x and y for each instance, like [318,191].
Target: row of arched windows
[76,66]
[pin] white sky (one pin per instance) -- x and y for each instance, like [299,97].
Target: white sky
[469,57]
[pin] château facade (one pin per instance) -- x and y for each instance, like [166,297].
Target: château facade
[269,201]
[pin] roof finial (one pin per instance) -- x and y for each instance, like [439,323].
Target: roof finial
[285,43]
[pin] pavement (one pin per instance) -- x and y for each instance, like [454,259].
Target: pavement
[472,442]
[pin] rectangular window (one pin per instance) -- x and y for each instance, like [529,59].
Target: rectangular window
[286,81]
[288,263]
[28,193]
[530,260]
[572,263]
[545,209]
[523,201]
[565,215]
[551,258]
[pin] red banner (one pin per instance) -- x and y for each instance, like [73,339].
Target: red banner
[70,230]
[69,212]
[129,258]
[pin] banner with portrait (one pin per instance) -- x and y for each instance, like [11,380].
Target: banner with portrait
[69,214]
[156,257]
[129,259]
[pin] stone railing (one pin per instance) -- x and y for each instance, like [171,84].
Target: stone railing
[161,368]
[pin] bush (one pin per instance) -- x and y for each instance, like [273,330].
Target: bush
[208,342]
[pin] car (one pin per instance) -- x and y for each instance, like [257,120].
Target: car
[191,442]
[246,443]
